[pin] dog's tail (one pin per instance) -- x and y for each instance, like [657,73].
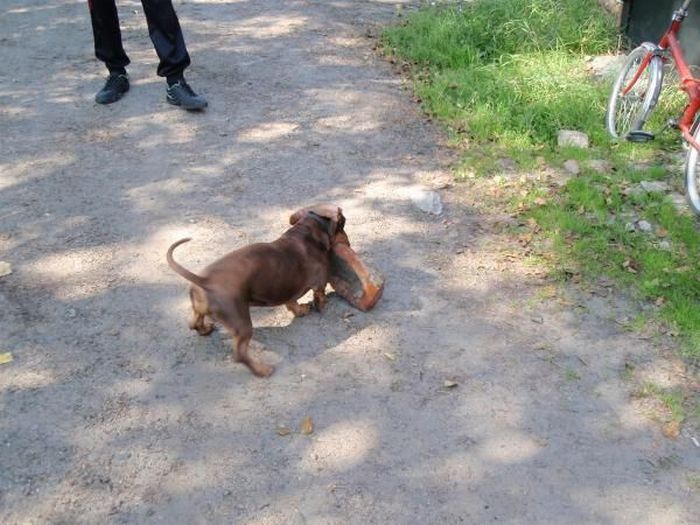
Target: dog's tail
[196,279]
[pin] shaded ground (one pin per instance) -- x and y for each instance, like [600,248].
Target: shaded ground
[113,412]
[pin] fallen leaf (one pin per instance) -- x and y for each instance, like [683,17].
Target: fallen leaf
[630,265]
[283,430]
[660,301]
[661,232]
[390,356]
[307,426]
[449,384]
[6,357]
[672,429]
[5,268]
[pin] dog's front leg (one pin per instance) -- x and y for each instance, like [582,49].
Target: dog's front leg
[320,299]
[299,310]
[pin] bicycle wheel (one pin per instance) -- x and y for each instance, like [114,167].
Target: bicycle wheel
[629,111]
[692,174]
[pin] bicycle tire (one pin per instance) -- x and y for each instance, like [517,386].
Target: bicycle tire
[640,100]
[692,175]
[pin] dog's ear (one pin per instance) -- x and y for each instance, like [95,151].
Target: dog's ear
[341,221]
[329,211]
[297,215]
[334,214]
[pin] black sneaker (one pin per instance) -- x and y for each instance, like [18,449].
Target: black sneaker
[181,94]
[117,84]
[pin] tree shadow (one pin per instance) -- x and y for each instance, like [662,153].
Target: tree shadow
[114,412]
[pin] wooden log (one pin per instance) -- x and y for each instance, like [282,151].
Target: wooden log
[357,283]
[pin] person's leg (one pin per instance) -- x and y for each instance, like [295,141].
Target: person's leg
[169,42]
[107,35]
[109,49]
[166,35]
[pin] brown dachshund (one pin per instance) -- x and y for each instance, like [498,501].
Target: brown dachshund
[265,274]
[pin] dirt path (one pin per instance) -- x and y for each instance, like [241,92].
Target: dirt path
[113,412]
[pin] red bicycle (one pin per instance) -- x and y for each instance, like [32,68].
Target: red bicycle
[636,92]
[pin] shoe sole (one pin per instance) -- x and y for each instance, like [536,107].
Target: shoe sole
[120,94]
[188,108]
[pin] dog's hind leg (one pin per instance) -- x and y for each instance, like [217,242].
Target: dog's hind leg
[241,327]
[201,318]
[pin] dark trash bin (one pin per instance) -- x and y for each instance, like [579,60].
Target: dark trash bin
[646,21]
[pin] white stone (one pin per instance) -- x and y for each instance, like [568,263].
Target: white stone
[654,186]
[600,165]
[571,166]
[426,200]
[570,137]
[606,67]
[644,226]
[680,203]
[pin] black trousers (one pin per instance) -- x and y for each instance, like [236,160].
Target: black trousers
[163,28]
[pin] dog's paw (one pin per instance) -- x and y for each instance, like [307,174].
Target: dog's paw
[262,370]
[206,330]
[299,310]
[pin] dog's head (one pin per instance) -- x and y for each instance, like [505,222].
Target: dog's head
[330,215]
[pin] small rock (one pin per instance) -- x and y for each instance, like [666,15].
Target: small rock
[644,226]
[560,179]
[600,165]
[570,137]
[571,166]
[654,186]
[665,246]
[507,164]
[605,67]
[680,202]
[449,383]
[426,200]
[630,227]
[283,430]
[5,268]
[72,313]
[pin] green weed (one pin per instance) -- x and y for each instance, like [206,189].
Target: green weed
[505,76]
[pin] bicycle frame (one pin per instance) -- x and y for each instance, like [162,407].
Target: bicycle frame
[689,84]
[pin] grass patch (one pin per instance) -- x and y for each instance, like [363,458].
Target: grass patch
[508,72]
[505,76]
[671,400]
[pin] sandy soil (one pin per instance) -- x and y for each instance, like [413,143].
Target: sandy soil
[114,412]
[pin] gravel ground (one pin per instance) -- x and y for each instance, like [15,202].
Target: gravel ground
[114,412]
